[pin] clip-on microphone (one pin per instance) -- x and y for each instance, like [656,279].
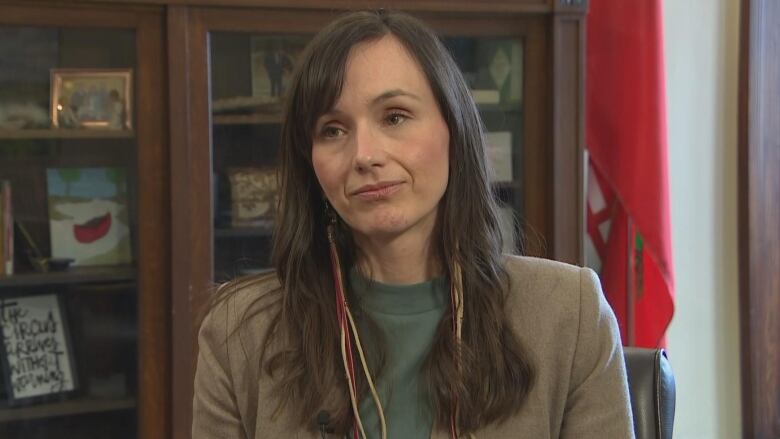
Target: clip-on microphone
[323,419]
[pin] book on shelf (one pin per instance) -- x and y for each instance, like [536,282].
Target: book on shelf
[499,149]
[486,96]
[6,230]
[506,223]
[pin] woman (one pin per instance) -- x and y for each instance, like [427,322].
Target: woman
[391,312]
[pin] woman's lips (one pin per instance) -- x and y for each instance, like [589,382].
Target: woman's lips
[378,192]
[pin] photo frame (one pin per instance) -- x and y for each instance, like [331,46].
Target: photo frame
[501,68]
[24,83]
[92,99]
[272,60]
[36,355]
[253,195]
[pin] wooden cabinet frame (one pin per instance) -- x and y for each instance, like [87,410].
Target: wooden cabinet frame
[759,217]
[175,227]
[554,33]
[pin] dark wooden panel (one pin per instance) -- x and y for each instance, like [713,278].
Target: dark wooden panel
[759,217]
[184,249]
[525,6]
[286,20]
[257,20]
[485,25]
[65,408]
[99,274]
[537,166]
[70,14]
[154,286]
[568,138]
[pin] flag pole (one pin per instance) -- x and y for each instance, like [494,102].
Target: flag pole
[630,283]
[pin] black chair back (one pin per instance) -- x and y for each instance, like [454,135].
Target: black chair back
[652,389]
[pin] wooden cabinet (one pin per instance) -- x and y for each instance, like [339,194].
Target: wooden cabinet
[219,66]
[213,48]
[88,182]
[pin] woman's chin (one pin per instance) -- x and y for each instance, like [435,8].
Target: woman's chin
[382,229]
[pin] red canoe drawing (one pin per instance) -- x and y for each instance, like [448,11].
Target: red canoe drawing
[93,229]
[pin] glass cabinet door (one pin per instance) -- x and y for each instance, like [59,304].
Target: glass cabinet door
[493,69]
[249,74]
[68,223]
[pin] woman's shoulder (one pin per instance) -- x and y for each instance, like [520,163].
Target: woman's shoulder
[244,305]
[539,266]
[549,294]
[534,279]
[561,315]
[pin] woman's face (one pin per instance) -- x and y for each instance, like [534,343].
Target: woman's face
[381,154]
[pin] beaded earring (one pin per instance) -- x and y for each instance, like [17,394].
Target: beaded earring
[456,300]
[348,330]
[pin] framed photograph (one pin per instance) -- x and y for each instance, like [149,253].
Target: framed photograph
[500,62]
[272,61]
[24,83]
[253,195]
[92,99]
[36,354]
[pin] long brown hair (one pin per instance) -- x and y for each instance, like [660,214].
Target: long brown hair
[495,372]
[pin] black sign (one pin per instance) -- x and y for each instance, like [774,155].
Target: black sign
[36,356]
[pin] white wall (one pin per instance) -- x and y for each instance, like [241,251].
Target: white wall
[701,41]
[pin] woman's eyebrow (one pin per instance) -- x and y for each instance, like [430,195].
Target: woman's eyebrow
[389,94]
[393,93]
[333,112]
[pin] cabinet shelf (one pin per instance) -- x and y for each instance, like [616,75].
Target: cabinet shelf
[277,118]
[501,108]
[65,408]
[75,275]
[247,119]
[505,184]
[56,133]
[242,232]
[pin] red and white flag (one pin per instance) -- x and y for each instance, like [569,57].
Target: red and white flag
[628,220]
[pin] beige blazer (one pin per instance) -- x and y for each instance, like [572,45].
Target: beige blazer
[557,310]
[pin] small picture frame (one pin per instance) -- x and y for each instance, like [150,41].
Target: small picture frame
[92,99]
[254,196]
[500,62]
[89,215]
[272,60]
[36,354]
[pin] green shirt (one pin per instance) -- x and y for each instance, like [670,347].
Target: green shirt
[408,316]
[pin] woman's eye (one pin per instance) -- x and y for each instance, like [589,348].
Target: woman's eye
[396,118]
[330,132]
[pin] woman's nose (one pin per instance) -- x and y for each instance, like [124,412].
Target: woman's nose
[369,150]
